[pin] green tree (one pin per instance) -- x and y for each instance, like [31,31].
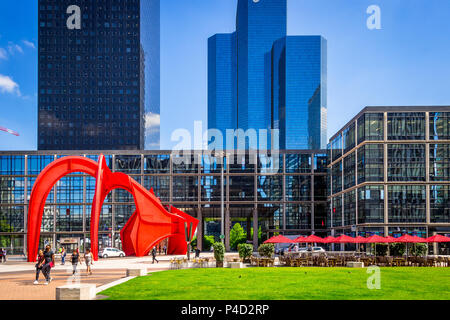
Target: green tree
[237,236]
[208,241]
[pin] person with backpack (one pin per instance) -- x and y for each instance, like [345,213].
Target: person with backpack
[49,263]
[40,263]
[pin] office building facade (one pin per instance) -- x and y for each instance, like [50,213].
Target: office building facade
[98,74]
[277,82]
[390,173]
[284,193]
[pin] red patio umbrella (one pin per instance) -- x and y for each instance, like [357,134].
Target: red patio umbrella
[437,238]
[360,239]
[279,239]
[344,239]
[300,239]
[379,239]
[406,238]
[329,239]
[310,239]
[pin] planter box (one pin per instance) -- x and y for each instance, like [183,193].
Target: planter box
[137,272]
[354,264]
[76,292]
[234,265]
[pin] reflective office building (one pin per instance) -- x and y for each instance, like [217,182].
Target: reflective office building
[390,173]
[98,75]
[260,79]
[283,192]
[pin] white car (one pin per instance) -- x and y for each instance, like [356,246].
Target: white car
[111,252]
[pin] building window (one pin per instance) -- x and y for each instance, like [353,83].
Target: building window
[270,188]
[349,171]
[349,138]
[406,126]
[440,204]
[298,163]
[440,162]
[350,208]
[336,146]
[371,163]
[128,164]
[336,173]
[157,164]
[439,125]
[337,211]
[371,204]
[160,186]
[185,188]
[11,219]
[371,127]
[298,216]
[407,204]
[38,163]
[298,188]
[12,190]
[406,162]
[12,165]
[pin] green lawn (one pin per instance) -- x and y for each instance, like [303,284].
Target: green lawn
[285,283]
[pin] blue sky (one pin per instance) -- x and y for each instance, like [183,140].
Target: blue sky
[405,63]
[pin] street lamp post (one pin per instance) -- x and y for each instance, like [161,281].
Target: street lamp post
[222,201]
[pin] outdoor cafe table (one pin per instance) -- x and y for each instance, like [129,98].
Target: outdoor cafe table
[399,262]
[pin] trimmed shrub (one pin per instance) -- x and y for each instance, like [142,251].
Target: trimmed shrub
[219,251]
[245,251]
[266,250]
[397,249]
[418,249]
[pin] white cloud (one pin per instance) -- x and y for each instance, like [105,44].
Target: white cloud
[152,120]
[8,85]
[13,48]
[29,44]
[3,54]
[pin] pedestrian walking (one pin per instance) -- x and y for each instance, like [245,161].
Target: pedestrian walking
[165,250]
[88,258]
[154,255]
[1,255]
[75,260]
[4,254]
[49,263]
[40,263]
[63,256]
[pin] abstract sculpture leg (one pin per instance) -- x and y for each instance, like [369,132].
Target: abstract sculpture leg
[149,224]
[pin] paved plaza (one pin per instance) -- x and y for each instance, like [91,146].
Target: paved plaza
[17,277]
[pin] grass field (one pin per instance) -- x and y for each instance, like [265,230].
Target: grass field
[285,283]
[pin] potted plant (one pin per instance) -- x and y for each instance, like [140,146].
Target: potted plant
[219,254]
[266,250]
[245,252]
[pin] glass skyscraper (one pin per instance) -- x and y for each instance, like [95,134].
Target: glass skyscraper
[98,75]
[299,97]
[277,82]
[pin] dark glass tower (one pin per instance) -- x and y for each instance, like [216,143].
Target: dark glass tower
[299,102]
[98,70]
[278,82]
[222,81]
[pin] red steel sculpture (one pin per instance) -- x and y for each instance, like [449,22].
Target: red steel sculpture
[149,224]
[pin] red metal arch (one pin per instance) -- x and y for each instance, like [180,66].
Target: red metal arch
[148,225]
